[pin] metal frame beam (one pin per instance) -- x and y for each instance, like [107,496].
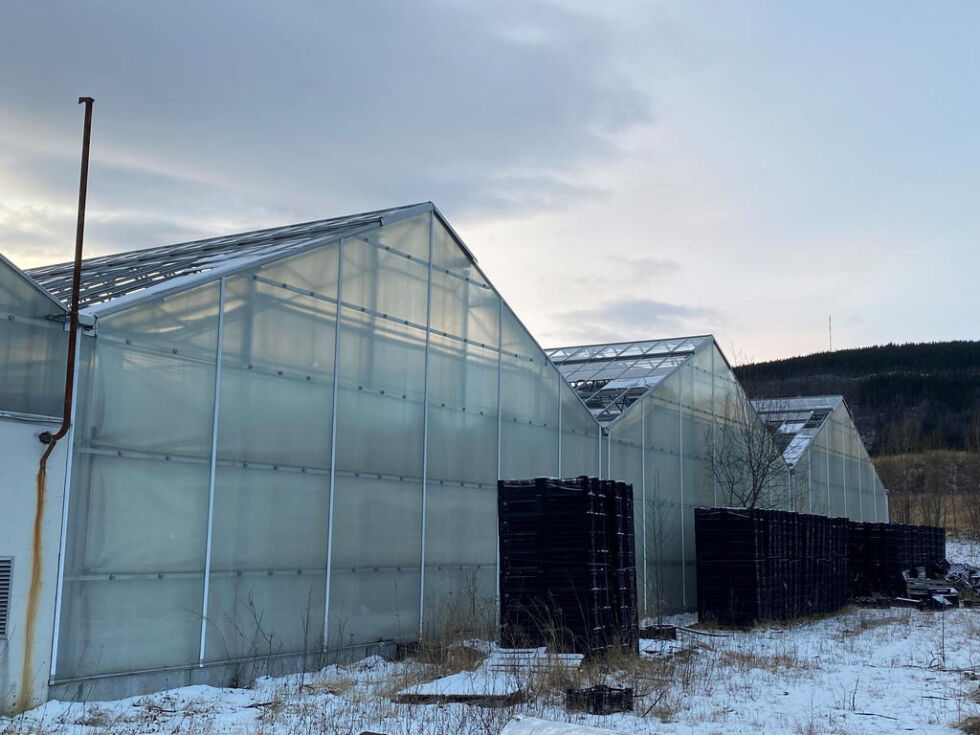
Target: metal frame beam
[332,486]
[425,432]
[63,542]
[212,470]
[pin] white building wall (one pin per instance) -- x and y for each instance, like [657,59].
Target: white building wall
[24,678]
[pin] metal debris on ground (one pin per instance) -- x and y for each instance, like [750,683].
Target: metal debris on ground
[511,659]
[966,579]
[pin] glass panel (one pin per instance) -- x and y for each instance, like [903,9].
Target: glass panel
[579,435]
[270,522]
[529,405]
[447,254]
[268,563]
[409,236]
[277,375]
[384,282]
[626,464]
[33,349]
[134,561]
[460,560]
[375,575]
[663,518]
[462,412]
[464,309]
[374,588]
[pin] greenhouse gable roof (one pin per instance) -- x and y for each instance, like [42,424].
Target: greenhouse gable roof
[609,378]
[796,421]
[110,277]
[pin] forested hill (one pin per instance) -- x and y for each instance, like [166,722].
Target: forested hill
[906,397]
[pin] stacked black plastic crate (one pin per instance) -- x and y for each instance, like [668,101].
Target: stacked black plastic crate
[622,547]
[808,564]
[858,558]
[938,547]
[756,564]
[816,560]
[889,549]
[840,583]
[567,565]
[894,559]
[783,568]
[875,556]
[732,565]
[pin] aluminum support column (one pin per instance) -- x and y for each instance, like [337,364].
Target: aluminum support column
[680,436]
[333,443]
[643,489]
[500,403]
[62,548]
[559,378]
[212,469]
[425,431]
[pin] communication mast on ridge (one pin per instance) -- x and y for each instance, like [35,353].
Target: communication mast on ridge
[830,332]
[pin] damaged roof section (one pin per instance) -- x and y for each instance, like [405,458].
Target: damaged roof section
[110,277]
[611,377]
[796,421]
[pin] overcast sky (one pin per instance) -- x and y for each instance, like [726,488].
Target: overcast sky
[622,170]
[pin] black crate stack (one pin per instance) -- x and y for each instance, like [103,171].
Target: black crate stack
[619,497]
[567,564]
[732,552]
[889,549]
[857,553]
[756,564]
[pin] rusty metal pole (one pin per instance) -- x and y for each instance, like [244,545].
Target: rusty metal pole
[25,693]
[47,437]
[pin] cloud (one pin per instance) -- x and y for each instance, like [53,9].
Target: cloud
[655,266]
[637,318]
[312,109]
[624,272]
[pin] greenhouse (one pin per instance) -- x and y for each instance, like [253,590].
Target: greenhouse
[669,409]
[285,446]
[248,478]
[829,468]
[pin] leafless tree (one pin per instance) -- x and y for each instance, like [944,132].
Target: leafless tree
[971,436]
[746,458]
[901,469]
[970,481]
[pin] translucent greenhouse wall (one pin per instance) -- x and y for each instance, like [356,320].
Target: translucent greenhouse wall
[249,481]
[33,348]
[662,445]
[835,475]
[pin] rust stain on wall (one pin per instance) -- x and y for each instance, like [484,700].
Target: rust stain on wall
[25,696]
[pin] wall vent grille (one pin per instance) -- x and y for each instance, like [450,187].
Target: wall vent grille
[6,575]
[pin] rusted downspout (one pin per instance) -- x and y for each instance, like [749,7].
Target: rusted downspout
[25,695]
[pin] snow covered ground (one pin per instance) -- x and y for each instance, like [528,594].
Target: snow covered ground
[963,550]
[863,671]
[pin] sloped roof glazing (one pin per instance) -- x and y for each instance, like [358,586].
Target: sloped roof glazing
[110,277]
[796,421]
[611,377]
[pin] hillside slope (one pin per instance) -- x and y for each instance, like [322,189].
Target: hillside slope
[907,397]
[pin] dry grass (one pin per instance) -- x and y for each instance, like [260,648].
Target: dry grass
[971,725]
[450,658]
[336,686]
[94,717]
[696,679]
[867,622]
[744,661]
